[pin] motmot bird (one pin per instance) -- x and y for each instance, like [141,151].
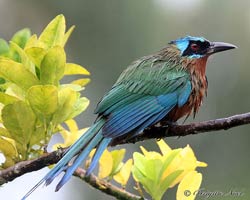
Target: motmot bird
[166,85]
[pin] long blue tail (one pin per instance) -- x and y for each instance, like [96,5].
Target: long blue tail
[92,138]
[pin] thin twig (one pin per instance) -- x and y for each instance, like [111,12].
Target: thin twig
[106,187]
[156,131]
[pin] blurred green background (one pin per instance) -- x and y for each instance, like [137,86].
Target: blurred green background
[112,33]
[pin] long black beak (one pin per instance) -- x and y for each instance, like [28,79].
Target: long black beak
[216,47]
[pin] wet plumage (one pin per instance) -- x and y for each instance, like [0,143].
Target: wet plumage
[169,84]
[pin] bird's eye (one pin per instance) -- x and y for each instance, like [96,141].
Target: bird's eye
[195,47]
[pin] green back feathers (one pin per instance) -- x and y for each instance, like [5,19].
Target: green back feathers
[149,76]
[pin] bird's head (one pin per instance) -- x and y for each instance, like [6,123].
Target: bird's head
[199,47]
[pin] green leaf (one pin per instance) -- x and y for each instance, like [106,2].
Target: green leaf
[70,105]
[140,162]
[167,182]
[8,148]
[53,34]
[72,68]
[21,37]
[36,54]
[151,183]
[67,34]
[7,99]
[2,81]
[37,136]
[19,120]
[43,99]
[138,176]
[80,105]
[66,101]
[25,60]
[52,66]
[17,73]
[152,168]
[149,169]
[4,47]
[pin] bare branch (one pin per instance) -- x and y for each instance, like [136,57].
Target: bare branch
[162,131]
[23,167]
[156,131]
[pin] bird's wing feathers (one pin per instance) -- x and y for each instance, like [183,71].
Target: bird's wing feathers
[143,95]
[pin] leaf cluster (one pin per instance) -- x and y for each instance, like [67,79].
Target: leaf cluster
[33,102]
[156,172]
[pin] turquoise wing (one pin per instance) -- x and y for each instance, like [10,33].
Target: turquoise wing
[145,92]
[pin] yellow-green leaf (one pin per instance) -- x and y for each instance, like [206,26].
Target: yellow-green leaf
[72,125]
[168,161]
[71,135]
[74,87]
[165,184]
[4,132]
[148,171]
[72,68]
[7,99]
[43,99]
[20,120]
[53,65]
[188,187]
[117,156]
[36,54]
[163,147]
[15,91]
[151,154]
[25,60]
[82,82]
[123,175]
[37,136]
[105,164]
[185,161]
[80,105]
[158,172]
[139,163]
[8,148]
[67,34]
[34,42]
[17,73]
[66,100]
[53,34]
[153,168]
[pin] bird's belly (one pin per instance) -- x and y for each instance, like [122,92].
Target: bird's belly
[179,112]
[192,106]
